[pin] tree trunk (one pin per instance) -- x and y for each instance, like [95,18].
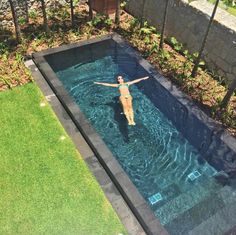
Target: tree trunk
[228,95]
[26,11]
[14,16]
[164,25]
[117,17]
[143,10]
[72,13]
[196,65]
[90,9]
[45,20]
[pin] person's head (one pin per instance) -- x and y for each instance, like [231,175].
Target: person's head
[120,79]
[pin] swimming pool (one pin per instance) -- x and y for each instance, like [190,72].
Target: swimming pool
[170,155]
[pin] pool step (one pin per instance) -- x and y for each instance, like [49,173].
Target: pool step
[185,201]
[223,220]
[191,218]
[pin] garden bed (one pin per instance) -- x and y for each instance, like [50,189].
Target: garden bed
[207,89]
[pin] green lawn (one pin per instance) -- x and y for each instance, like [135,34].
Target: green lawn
[45,186]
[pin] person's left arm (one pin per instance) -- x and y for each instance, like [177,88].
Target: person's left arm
[137,80]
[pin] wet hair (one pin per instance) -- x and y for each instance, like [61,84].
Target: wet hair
[119,76]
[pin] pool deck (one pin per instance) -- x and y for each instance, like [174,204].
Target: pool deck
[124,197]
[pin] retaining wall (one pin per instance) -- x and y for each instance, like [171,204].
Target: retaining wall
[188,22]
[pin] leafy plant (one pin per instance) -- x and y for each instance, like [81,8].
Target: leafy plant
[176,45]
[4,47]
[97,19]
[21,20]
[165,54]
[100,21]
[134,24]
[154,48]
[230,3]
[33,14]
[108,22]
[123,4]
[147,30]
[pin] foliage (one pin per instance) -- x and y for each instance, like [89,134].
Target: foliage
[228,5]
[134,24]
[147,30]
[100,21]
[4,47]
[22,20]
[177,45]
[33,14]
[123,4]
[16,72]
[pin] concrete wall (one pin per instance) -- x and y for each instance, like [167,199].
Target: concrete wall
[188,22]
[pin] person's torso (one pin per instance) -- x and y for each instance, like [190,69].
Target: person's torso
[124,89]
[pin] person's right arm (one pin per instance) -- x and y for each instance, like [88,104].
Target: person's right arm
[106,84]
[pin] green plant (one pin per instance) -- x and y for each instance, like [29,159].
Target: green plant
[163,57]
[154,48]
[97,19]
[108,22]
[63,14]
[175,44]
[123,4]
[75,2]
[21,20]
[33,14]
[230,3]
[4,47]
[147,30]
[164,54]
[100,21]
[134,24]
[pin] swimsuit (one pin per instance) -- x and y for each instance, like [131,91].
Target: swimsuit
[126,96]
[127,85]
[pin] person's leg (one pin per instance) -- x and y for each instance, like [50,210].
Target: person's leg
[130,109]
[125,109]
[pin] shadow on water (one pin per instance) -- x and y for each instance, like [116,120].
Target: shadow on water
[119,117]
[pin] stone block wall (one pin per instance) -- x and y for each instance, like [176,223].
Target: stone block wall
[188,22]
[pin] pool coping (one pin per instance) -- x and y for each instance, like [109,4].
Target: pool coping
[137,204]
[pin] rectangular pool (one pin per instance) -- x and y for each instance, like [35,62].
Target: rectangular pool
[173,155]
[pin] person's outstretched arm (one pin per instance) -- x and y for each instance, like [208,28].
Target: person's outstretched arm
[106,84]
[137,80]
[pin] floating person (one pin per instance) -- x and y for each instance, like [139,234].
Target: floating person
[125,96]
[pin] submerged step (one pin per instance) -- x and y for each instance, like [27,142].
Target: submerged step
[191,218]
[220,223]
[185,201]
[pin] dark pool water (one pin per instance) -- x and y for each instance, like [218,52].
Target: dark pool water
[167,170]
